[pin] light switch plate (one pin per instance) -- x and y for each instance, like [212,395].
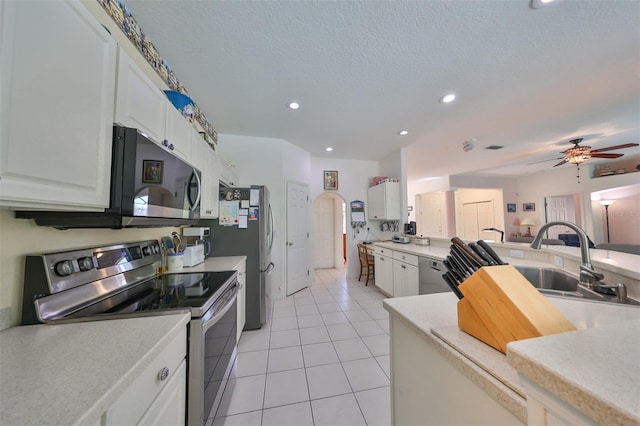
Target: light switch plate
[517,253]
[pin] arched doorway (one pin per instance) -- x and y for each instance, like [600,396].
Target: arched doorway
[329,231]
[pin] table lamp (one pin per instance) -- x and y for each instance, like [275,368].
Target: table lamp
[528,223]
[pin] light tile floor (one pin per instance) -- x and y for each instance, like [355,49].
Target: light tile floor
[321,359]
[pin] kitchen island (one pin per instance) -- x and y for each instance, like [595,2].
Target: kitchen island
[441,375]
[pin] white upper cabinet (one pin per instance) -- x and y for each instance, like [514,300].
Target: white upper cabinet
[179,135]
[139,102]
[208,164]
[57,85]
[384,201]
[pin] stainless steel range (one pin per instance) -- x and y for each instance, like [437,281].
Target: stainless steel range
[120,281]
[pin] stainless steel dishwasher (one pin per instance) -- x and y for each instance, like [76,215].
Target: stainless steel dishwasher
[430,276]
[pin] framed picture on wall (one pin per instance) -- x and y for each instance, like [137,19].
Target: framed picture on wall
[529,207]
[330,179]
[511,208]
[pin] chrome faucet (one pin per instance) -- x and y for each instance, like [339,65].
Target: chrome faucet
[588,276]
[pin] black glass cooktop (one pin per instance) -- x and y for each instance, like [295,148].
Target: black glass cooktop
[194,290]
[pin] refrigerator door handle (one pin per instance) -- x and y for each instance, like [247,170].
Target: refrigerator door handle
[269,268]
[270,230]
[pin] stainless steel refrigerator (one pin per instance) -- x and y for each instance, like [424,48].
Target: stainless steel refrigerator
[245,227]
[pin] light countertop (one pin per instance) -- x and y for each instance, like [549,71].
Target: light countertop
[434,318]
[69,374]
[221,263]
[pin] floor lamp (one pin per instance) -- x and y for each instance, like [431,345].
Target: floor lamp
[606,204]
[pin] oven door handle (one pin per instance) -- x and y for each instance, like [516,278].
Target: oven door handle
[209,322]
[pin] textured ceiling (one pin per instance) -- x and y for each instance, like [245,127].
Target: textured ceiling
[528,79]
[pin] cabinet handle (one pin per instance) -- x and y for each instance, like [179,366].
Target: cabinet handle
[165,143]
[171,147]
[404,267]
[163,374]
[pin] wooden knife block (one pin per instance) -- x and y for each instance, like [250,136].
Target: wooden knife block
[501,306]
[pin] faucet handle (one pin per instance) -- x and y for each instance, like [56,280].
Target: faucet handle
[619,289]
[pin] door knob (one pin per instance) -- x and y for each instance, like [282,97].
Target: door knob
[289,243]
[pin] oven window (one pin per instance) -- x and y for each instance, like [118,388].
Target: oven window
[219,350]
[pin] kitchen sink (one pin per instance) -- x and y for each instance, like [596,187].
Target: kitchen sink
[558,283]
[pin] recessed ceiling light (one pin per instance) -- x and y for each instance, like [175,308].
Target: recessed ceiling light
[447,98]
[328,149]
[293,105]
[537,4]
[403,133]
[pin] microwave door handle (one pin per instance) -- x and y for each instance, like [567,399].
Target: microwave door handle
[194,204]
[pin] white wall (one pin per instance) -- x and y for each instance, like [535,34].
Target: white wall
[563,181]
[270,162]
[353,180]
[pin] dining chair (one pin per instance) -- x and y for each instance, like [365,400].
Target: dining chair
[366,262]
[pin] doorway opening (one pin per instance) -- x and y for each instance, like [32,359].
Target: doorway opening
[329,232]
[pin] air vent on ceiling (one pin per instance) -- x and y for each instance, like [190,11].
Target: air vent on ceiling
[494,147]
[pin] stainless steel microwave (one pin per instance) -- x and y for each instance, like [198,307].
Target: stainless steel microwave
[150,187]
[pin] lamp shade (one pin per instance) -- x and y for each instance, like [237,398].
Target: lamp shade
[607,202]
[527,222]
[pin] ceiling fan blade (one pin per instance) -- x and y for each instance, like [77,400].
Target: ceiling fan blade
[597,155]
[560,163]
[611,148]
[543,161]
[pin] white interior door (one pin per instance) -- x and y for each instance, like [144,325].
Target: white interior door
[297,237]
[559,209]
[323,233]
[431,221]
[475,217]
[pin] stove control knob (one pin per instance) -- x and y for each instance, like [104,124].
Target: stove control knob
[64,268]
[147,251]
[85,263]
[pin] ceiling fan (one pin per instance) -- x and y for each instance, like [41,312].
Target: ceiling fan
[579,154]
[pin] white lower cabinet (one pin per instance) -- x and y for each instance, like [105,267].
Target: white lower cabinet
[158,395]
[242,297]
[384,270]
[57,83]
[396,272]
[405,274]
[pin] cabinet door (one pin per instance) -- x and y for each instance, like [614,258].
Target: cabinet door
[384,201]
[375,199]
[179,134]
[208,164]
[57,81]
[170,407]
[405,279]
[139,102]
[384,274]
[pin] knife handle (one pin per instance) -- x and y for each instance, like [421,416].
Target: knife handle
[452,284]
[468,252]
[458,255]
[491,252]
[483,254]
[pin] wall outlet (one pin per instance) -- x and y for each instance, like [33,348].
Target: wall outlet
[558,261]
[517,253]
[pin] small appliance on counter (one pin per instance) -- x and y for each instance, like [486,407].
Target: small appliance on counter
[421,241]
[197,235]
[397,238]
[193,255]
